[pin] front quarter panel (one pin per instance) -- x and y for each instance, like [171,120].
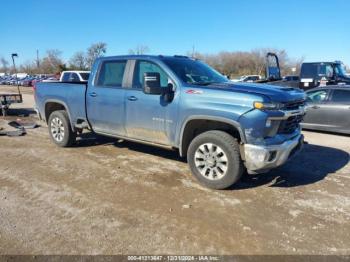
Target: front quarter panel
[214,104]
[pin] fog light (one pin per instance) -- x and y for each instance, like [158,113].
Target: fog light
[257,154]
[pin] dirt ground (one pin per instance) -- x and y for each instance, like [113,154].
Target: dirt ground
[108,197]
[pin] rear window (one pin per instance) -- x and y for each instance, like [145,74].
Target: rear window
[65,77]
[309,71]
[341,96]
[111,73]
[317,70]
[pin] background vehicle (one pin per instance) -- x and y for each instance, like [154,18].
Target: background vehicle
[273,73]
[247,78]
[74,76]
[328,109]
[290,78]
[180,103]
[321,74]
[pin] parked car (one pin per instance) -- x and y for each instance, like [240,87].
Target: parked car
[74,76]
[247,78]
[321,74]
[180,103]
[328,109]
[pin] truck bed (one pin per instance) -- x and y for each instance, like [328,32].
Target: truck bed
[71,94]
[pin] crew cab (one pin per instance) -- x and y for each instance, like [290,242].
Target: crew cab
[176,102]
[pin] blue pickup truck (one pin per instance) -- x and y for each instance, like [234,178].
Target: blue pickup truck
[176,102]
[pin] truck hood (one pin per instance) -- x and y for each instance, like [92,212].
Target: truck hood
[275,93]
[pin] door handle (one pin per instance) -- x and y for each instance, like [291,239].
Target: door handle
[132,98]
[315,107]
[93,94]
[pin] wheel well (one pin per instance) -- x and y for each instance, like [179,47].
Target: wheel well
[195,127]
[51,107]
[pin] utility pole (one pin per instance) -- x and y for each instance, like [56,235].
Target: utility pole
[193,51]
[37,59]
[14,67]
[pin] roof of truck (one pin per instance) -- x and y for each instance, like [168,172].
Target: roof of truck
[334,62]
[142,57]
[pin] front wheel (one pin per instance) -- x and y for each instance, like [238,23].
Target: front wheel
[60,129]
[214,159]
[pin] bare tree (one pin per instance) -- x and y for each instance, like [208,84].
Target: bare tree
[4,65]
[240,63]
[95,51]
[52,62]
[139,50]
[78,61]
[29,67]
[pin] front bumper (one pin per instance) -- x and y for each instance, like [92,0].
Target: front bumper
[262,158]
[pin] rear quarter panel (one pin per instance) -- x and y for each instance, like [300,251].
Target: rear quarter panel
[72,96]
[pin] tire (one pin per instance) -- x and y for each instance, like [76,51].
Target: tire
[60,129]
[214,159]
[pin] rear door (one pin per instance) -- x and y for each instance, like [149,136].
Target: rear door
[105,98]
[339,110]
[317,110]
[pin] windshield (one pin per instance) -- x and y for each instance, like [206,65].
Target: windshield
[85,76]
[194,72]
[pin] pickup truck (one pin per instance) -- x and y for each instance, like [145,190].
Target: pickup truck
[323,74]
[223,128]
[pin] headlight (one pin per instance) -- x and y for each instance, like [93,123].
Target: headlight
[267,106]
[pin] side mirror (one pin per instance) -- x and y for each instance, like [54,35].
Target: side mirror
[151,84]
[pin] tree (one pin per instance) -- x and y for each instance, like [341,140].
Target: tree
[139,50]
[4,65]
[238,63]
[52,62]
[78,61]
[95,51]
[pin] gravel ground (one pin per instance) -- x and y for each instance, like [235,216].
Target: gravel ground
[108,197]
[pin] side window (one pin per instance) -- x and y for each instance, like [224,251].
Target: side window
[111,73]
[65,77]
[341,96]
[74,77]
[318,96]
[142,67]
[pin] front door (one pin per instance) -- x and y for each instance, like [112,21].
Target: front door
[316,114]
[339,110]
[149,117]
[105,99]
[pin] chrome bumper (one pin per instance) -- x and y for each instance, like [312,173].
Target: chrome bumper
[262,158]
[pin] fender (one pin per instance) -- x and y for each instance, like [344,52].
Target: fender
[65,106]
[235,124]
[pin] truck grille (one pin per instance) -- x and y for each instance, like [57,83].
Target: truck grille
[289,125]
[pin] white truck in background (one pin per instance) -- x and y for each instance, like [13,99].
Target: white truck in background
[74,76]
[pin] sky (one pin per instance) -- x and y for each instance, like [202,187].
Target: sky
[314,29]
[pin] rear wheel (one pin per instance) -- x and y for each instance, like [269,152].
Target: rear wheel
[214,159]
[60,129]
